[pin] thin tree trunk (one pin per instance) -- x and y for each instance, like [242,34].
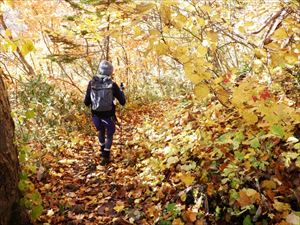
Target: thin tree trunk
[10,211]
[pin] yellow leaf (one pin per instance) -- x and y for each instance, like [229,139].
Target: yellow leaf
[201,91]
[194,77]
[180,21]
[137,31]
[249,117]
[201,22]
[201,50]
[165,13]
[260,53]
[187,179]
[119,206]
[281,206]
[145,7]
[212,36]
[154,32]
[249,24]
[161,48]
[222,94]
[242,29]
[27,47]
[8,33]
[213,39]
[291,58]
[273,46]
[10,3]
[218,80]
[277,59]
[280,34]
[181,18]
[206,8]
[268,184]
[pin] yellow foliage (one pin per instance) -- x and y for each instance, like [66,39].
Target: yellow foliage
[180,21]
[201,91]
[281,206]
[280,34]
[249,116]
[201,22]
[119,206]
[201,51]
[187,179]
[268,184]
[260,53]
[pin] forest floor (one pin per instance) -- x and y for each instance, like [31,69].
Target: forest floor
[77,190]
[174,162]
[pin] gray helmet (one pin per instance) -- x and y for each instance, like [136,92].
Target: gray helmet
[105,68]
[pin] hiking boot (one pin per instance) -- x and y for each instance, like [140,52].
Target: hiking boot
[104,161]
[102,149]
[105,158]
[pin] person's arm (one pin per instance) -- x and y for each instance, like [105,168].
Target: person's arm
[119,94]
[87,99]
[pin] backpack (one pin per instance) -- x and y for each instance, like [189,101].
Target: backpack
[102,94]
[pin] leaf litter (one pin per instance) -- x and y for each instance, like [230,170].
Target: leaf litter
[178,163]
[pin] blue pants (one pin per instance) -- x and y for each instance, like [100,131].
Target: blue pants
[105,126]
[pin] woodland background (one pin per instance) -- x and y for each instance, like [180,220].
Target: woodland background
[210,134]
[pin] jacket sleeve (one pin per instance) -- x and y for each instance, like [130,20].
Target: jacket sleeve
[87,99]
[119,94]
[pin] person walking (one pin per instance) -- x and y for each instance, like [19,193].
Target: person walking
[100,94]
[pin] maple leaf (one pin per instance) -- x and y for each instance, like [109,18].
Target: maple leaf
[247,196]
[187,179]
[119,206]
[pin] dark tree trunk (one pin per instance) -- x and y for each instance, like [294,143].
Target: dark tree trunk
[10,211]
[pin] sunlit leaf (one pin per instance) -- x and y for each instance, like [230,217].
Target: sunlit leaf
[36,212]
[187,179]
[201,91]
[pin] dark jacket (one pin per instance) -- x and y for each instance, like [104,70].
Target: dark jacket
[117,93]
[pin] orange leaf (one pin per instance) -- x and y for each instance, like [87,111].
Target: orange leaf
[247,196]
[190,216]
[268,184]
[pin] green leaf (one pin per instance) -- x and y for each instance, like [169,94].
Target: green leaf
[171,207]
[22,157]
[297,146]
[238,138]
[36,212]
[255,143]
[22,185]
[165,222]
[277,130]
[247,220]
[239,155]
[36,197]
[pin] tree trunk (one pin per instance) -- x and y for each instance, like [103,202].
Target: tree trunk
[10,211]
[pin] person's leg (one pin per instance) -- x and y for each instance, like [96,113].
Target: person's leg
[101,129]
[110,130]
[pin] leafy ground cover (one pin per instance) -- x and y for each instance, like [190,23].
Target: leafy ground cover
[176,163]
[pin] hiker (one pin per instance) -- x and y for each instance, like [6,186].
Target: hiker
[100,95]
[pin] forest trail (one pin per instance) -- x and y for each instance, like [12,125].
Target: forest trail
[77,190]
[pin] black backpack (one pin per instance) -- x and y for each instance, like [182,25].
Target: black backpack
[102,94]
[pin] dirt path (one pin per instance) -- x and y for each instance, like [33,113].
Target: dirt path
[77,190]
